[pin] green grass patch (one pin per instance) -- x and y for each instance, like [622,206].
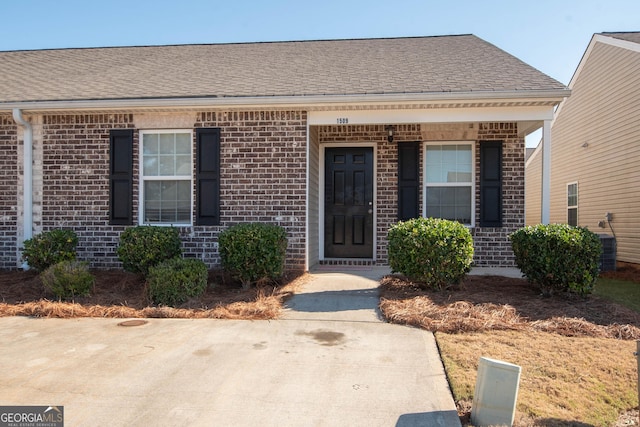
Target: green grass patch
[620,291]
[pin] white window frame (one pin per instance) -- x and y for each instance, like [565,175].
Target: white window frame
[472,184]
[569,184]
[143,178]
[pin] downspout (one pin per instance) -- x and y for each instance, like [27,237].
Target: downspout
[27,175]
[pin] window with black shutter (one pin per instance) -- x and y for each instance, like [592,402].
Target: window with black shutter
[449,181]
[208,176]
[121,177]
[491,184]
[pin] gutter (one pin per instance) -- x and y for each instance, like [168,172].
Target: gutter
[27,177]
[553,96]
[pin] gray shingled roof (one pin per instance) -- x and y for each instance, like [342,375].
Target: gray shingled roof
[419,65]
[631,36]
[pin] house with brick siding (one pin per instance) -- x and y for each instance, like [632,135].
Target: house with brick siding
[334,140]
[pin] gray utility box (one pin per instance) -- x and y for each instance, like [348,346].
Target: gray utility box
[608,257]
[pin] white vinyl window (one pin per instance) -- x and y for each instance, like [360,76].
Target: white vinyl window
[572,204]
[166,170]
[448,188]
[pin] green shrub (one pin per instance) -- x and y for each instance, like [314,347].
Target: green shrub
[253,252]
[558,257]
[49,248]
[144,246]
[431,251]
[68,279]
[174,281]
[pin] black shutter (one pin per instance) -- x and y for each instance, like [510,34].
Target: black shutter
[408,180]
[121,177]
[491,184]
[208,176]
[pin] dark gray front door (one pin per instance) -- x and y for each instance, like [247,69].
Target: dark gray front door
[348,202]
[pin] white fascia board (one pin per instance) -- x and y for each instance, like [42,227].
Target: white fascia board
[602,38]
[302,101]
[613,41]
[431,115]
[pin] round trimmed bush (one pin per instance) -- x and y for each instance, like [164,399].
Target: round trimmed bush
[68,279]
[558,257]
[431,251]
[253,252]
[144,246]
[174,281]
[49,248]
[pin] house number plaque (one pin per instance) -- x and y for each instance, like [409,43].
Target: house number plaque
[342,120]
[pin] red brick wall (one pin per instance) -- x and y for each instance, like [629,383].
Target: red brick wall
[492,247]
[75,192]
[263,178]
[263,173]
[386,169]
[8,192]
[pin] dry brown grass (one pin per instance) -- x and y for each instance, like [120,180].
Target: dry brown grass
[565,381]
[123,295]
[576,353]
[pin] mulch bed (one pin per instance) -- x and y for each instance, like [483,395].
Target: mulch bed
[120,294]
[482,303]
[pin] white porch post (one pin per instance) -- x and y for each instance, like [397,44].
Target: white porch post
[546,172]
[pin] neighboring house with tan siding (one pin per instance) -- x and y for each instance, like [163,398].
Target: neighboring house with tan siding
[595,155]
[333,140]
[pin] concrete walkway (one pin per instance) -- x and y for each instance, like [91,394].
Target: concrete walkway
[411,389]
[330,362]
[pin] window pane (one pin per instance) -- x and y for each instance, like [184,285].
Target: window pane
[452,203]
[463,177]
[183,165]
[434,154]
[167,202]
[572,195]
[152,211]
[153,190]
[150,166]
[183,143]
[149,144]
[448,163]
[434,173]
[463,156]
[449,154]
[167,166]
[572,216]
[167,143]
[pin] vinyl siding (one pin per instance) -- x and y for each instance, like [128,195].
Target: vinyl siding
[596,142]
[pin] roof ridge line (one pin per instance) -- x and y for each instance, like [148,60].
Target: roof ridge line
[237,43]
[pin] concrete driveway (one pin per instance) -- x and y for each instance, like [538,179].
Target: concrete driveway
[335,364]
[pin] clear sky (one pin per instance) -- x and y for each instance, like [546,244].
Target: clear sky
[550,35]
